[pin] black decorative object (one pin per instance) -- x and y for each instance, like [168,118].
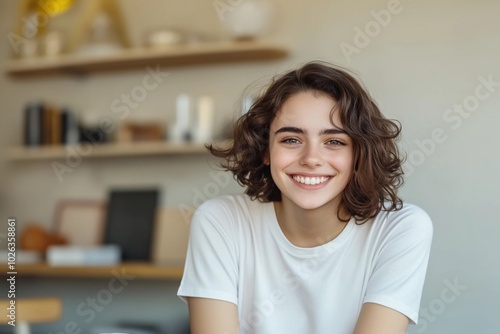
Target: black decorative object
[130,221]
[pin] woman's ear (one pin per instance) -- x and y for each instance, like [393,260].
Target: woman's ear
[265,159]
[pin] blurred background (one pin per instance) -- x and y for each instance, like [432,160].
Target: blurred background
[108,103]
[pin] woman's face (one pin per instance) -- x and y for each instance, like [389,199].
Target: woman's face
[311,159]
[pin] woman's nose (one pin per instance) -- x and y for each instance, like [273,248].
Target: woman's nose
[311,156]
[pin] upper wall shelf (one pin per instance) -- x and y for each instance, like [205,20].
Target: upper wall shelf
[203,53]
[108,150]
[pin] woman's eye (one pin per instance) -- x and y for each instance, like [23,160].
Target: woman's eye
[335,142]
[290,141]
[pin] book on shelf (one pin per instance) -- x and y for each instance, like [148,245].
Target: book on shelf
[32,124]
[51,126]
[70,130]
[47,125]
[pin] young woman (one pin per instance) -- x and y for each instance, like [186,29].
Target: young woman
[320,242]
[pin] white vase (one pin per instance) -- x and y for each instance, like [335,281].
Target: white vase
[247,19]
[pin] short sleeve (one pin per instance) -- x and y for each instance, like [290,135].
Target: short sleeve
[211,266]
[400,266]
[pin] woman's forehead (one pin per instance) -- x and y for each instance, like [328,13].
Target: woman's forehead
[309,109]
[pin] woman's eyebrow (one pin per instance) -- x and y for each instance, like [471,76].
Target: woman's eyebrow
[290,129]
[294,129]
[333,131]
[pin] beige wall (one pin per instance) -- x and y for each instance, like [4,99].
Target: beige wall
[430,56]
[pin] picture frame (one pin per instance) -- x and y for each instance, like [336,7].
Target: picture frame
[81,222]
[130,219]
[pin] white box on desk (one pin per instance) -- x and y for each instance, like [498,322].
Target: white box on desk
[83,256]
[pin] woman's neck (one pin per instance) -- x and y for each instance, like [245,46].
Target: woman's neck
[308,228]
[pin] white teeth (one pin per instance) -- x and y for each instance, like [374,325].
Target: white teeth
[310,180]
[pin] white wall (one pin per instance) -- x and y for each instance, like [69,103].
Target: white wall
[429,57]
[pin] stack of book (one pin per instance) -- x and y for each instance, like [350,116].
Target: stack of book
[46,125]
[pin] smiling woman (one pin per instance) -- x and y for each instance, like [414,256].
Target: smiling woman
[320,243]
[304,155]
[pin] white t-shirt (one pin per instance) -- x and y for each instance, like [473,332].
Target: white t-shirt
[238,253]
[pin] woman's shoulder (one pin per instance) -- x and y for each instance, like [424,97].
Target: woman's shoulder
[230,208]
[409,210]
[409,218]
[231,217]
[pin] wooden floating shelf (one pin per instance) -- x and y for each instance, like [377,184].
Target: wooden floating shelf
[202,53]
[138,269]
[106,150]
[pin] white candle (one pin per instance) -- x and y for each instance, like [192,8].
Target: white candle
[180,130]
[205,119]
[182,122]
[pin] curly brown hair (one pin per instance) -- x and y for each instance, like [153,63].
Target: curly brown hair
[378,169]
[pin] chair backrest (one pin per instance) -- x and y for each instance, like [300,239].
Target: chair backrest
[32,310]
